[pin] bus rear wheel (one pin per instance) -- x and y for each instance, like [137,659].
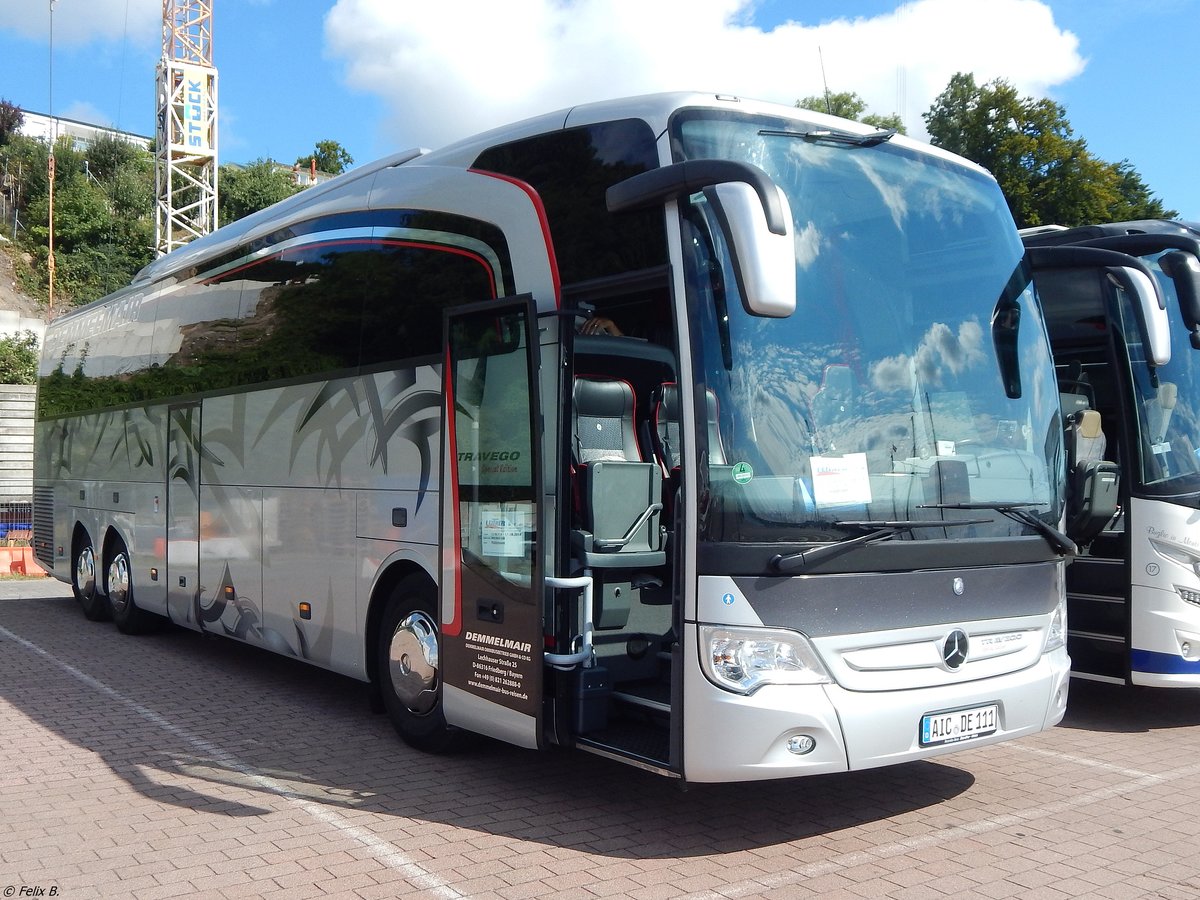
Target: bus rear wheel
[408,669]
[127,615]
[83,583]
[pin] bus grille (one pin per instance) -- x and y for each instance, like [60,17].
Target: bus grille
[43,526]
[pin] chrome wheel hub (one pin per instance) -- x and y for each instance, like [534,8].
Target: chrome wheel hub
[85,572]
[413,663]
[118,582]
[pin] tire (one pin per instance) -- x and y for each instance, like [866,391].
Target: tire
[83,583]
[118,584]
[407,669]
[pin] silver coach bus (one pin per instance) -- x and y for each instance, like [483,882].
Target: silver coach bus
[717,437]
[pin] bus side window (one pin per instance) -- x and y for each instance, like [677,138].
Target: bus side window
[300,314]
[408,287]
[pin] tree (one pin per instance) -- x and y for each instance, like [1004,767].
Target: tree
[331,157]
[25,159]
[848,105]
[109,154]
[11,120]
[1048,175]
[247,189]
[103,213]
[19,358]
[1135,199]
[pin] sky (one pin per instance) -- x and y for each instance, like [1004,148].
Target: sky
[380,76]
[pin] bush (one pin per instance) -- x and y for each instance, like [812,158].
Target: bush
[19,358]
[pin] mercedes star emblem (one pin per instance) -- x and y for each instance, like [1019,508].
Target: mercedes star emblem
[954,649]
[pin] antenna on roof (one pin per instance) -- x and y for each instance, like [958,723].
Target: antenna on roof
[824,81]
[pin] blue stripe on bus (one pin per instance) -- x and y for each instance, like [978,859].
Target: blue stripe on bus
[1162,663]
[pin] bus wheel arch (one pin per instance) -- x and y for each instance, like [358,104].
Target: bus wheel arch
[118,586]
[380,595]
[84,581]
[406,663]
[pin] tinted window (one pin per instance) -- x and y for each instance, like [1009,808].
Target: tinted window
[571,170]
[319,300]
[409,286]
[301,312]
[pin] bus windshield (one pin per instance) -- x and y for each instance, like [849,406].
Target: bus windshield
[913,381]
[1167,400]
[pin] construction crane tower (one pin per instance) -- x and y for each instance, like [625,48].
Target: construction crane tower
[185,164]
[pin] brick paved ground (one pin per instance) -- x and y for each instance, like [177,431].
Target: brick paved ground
[177,766]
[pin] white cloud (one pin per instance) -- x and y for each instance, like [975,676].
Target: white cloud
[83,21]
[456,67]
[82,111]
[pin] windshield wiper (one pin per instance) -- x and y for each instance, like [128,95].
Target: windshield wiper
[880,530]
[829,136]
[1019,512]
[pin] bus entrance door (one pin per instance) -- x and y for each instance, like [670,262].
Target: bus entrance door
[491,608]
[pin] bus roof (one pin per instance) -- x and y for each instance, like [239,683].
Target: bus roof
[655,109]
[1053,235]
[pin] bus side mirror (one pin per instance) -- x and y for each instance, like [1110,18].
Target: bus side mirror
[765,261]
[1153,311]
[1126,272]
[1006,326]
[1184,271]
[753,212]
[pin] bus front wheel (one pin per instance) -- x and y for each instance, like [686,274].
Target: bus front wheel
[128,616]
[83,583]
[408,669]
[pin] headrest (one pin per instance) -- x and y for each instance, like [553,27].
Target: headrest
[668,402]
[609,397]
[1089,424]
[837,377]
[1168,393]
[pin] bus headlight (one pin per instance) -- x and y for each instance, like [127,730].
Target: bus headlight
[1056,635]
[744,659]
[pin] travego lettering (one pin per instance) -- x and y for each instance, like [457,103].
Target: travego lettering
[489,456]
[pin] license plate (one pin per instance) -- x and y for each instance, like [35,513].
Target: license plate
[960,725]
